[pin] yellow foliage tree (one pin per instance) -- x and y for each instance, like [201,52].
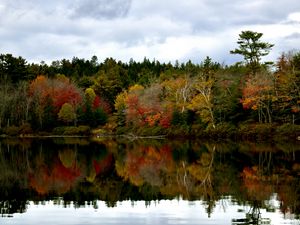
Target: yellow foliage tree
[67,113]
[179,91]
[90,94]
[202,101]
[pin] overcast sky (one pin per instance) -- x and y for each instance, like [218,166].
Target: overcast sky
[166,30]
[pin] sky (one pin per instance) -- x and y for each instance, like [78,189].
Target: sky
[164,30]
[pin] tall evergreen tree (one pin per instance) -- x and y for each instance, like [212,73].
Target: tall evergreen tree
[252,49]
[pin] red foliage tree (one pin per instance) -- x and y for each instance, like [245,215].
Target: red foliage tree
[59,90]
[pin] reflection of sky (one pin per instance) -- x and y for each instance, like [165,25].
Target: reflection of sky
[127,212]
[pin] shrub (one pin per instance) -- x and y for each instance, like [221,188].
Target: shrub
[122,130]
[179,131]
[150,131]
[80,130]
[256,131]
[264,131]
[43,133]
[25,129]
[84,130]
[100,117]
[287,131]
[12,131]
[221,130]
[182,118]
[58,130]
[71,131]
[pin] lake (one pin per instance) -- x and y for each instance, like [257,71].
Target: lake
[108,181]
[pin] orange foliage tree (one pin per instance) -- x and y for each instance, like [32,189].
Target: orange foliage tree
[258,95]
[143,106]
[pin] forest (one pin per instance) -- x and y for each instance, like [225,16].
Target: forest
[251,99]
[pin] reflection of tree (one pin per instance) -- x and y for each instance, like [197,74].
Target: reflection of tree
[59,178]
[145,170]
[67,157]
[253,216]
[289,148]
[145,164]
[197,176]
[289,196]
[9,207]
[257,186]
[205,177]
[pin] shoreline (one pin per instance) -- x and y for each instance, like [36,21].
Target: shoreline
[132,137]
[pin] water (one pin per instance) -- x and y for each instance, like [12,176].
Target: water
[80,181]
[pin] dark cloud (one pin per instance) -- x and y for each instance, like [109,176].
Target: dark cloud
[213,15]
[101,9]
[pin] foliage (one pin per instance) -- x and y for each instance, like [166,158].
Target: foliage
[60,90]
[221,131]
[67,113]
[258,95]
[13,68]
[287,131]
[71,130]
[256,131]
[84,130]
[58,130]
[202,102]
[25,129]
[12,131]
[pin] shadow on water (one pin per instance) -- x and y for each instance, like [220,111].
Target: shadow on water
[81,171]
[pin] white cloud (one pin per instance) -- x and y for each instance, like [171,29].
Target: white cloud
[294,17]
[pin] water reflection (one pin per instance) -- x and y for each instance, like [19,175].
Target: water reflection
[80,172]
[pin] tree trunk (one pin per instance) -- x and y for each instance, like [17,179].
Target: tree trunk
[269,115]
[212,117]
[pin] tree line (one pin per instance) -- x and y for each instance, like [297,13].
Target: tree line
[150,97]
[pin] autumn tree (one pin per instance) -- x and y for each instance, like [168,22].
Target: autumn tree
[202,102]
[143,106]
[178,92]
[252,49]
[50,94]
[258,95]
[135,112]
[67,113]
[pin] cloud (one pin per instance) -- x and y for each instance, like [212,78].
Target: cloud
[293,36]
[101,9]
[294,17]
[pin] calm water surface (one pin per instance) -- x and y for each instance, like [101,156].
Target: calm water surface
[79,181]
